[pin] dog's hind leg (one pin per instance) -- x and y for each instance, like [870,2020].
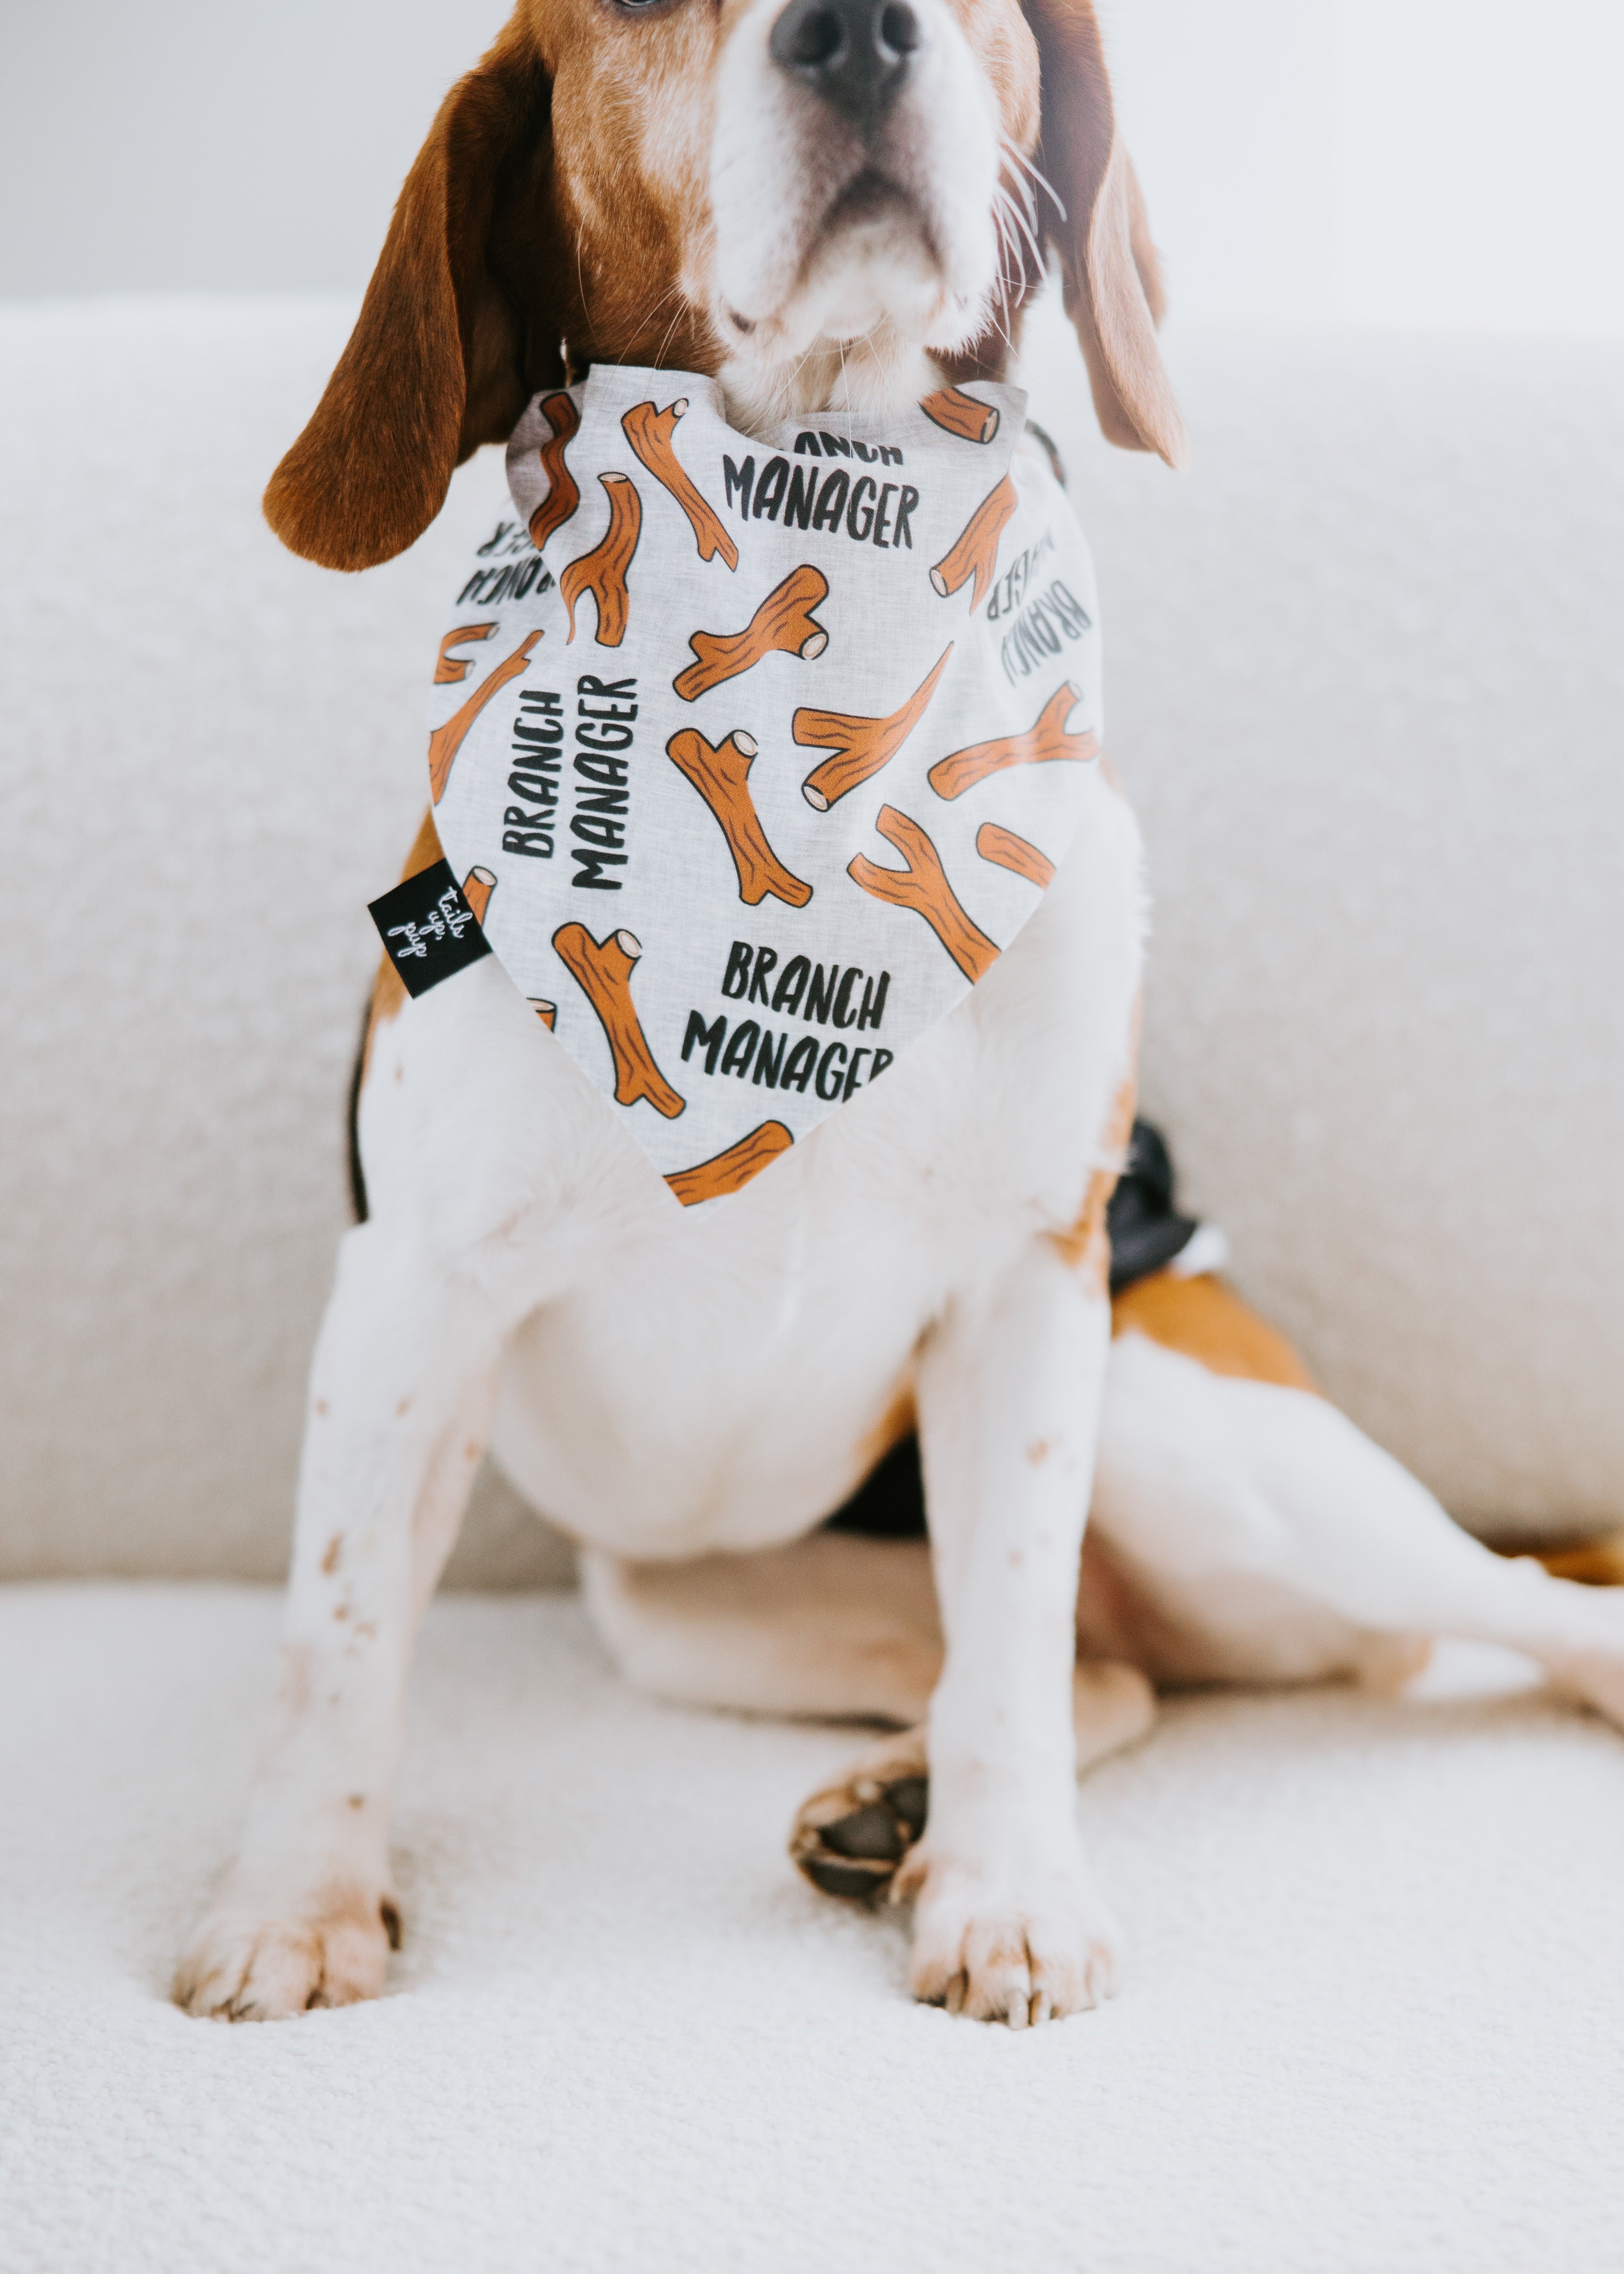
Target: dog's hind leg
[1272,1539]
[401,1394]
[833,1627]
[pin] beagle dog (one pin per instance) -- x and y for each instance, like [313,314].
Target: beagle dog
[824,206]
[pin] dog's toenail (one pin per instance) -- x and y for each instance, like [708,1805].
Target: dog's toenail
[391,1919]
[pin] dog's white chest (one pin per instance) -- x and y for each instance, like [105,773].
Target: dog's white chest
[721,1383]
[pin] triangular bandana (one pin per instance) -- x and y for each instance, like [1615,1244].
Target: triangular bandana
[756,754]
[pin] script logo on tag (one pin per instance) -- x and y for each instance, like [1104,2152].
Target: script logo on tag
[428,929]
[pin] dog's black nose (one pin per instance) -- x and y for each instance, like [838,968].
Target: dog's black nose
[854,53]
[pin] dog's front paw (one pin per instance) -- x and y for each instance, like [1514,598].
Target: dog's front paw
[1029,1949]
[245,1966]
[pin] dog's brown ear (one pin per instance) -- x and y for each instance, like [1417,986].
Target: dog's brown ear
[1113,287]
[435,364]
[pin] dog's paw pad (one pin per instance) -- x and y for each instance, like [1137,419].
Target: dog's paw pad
[849,1840]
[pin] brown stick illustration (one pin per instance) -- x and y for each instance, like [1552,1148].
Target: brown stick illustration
[477,887]
[863,745]
[961,414]
[975,551]
[446,740]
[602,969]
[563,493]
[719,775]
[729,1172]
[783,625]
[602,571]
[649,432]
[923,887]
[451,667]
[996,843]
[1046,738]
[548,1012]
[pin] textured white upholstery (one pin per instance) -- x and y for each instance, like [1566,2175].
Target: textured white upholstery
[1363,672]
[1369,2023]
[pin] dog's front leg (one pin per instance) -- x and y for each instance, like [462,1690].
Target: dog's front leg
[401,1392]
[1008,1925]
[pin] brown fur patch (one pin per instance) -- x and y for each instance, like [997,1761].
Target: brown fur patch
[1208,1321]
[898,1421]
[1593,1563]
[1087,1246]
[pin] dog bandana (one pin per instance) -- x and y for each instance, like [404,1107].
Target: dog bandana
[751,756]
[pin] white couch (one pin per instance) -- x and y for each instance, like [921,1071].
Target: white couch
[1362,670]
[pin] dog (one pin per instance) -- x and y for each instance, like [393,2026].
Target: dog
[823,205]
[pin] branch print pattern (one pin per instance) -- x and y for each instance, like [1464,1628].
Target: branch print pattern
[563,493]
[649,432]
[862,745]
[783,625]
[602,969]
[923,887]
[720,774]
[602,572]
[1044,741]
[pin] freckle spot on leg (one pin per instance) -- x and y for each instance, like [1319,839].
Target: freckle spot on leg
[405,1406]
[1037,1451]
[365,1629]
[1016,1558]
[358,1800]
[471,1452]
[321,1405]
[329,1562]
[343,1611]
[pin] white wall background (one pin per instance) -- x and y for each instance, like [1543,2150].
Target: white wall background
[1447,163]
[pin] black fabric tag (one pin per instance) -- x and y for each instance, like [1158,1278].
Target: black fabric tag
[428,931]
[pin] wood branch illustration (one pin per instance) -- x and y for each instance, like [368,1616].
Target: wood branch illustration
[729,1172]
[649,432]
[477,887]
[720,774]
[548,1012]
[450,669]
[563,492]
[975,553]
[446,740]
[602,571]
[783,625]
[961,414]
[997,844]
[603,970]
[862,746]
[923,887]
[1045,739]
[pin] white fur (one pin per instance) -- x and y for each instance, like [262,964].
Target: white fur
[837,315]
